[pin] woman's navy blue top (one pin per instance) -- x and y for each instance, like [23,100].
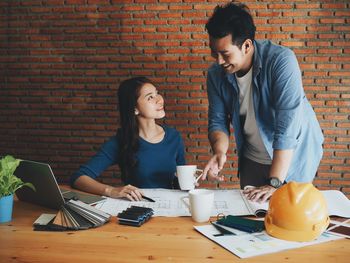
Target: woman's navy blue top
[156,162]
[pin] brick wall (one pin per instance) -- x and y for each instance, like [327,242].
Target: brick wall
[62,61]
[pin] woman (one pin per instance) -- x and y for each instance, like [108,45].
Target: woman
[146,152]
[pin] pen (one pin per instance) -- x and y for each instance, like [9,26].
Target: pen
[147,198]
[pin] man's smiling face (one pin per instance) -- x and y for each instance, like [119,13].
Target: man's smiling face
[229,56]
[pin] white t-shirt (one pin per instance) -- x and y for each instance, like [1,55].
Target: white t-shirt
[254,147]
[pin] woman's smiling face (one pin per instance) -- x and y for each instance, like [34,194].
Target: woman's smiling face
[150,104]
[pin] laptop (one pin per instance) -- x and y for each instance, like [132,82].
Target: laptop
[47,192]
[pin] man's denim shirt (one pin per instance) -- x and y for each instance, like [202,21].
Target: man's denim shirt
[284,116]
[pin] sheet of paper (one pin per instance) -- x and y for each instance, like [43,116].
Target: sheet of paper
[255,208]
[168,203]
[338,203]
[172,203]
[246,245]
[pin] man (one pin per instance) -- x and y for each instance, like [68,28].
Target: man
[256,87]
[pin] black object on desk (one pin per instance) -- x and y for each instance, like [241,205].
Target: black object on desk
[135,216]
[243,224]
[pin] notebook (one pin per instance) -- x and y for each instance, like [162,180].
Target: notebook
[47,192]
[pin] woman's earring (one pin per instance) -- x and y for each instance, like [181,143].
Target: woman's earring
[136,112]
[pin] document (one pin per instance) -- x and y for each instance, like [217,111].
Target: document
[338,203]
[246,245]
[167,203]
[171,203]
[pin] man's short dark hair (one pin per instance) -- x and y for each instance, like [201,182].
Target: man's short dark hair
[232,18]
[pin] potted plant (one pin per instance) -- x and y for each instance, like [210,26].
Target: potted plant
[9,183]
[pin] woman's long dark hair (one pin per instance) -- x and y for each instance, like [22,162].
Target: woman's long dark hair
[128,93]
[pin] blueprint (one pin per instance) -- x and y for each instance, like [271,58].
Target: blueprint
[172,203]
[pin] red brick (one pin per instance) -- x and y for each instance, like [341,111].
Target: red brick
[334,5]
[133,8]
[320,13]
[280,6]
[330,51]
[157,7]
[293,43]
[332,20]
[144,30]
[341,28]
[145,1]
[307,6]
[319,28]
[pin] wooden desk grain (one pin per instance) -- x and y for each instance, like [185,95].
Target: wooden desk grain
[160,239]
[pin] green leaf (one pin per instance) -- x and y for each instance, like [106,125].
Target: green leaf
[9,183]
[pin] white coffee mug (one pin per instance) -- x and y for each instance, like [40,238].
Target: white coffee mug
[187,176]
[201,204]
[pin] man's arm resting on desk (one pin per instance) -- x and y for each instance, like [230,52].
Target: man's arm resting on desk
[88,184]
[279,168]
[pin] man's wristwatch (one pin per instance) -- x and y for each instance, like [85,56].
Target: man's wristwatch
[275,182]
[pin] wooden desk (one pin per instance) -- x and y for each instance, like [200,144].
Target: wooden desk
[160,239]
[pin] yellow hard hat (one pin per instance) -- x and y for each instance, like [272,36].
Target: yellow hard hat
[297,212]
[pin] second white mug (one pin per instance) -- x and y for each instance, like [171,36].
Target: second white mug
[201,202]
[188,176]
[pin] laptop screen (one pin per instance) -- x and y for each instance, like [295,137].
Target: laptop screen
[41,176]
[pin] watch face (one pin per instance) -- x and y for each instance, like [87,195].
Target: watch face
[275,182]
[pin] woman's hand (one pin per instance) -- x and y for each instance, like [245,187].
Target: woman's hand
[129,191]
